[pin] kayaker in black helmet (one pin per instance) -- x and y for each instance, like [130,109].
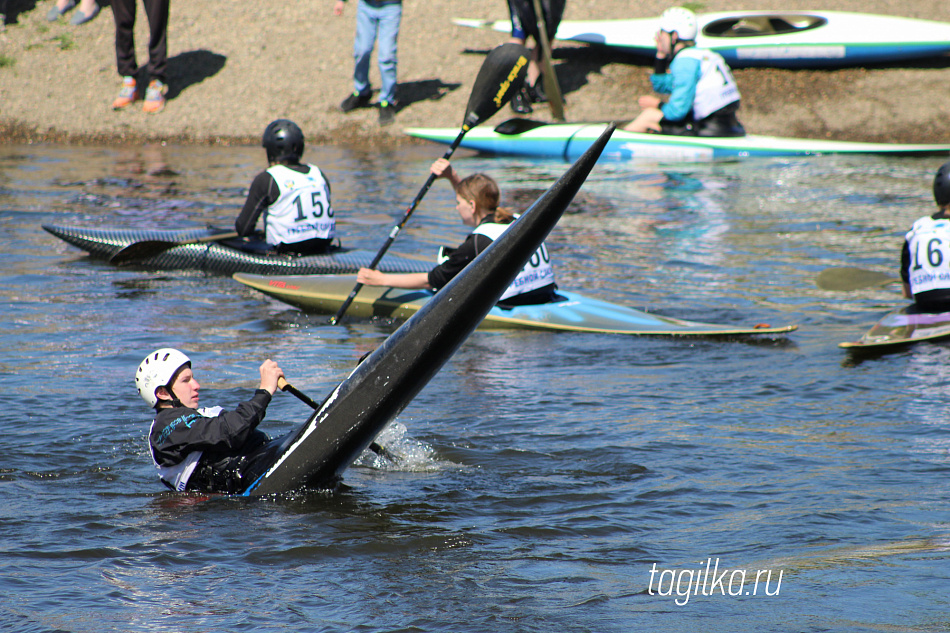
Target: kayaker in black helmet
[294,197]
[925,257]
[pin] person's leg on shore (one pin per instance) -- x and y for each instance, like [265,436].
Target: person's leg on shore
[647,121]
[157,13]
[366,26]
[123,12]
[389,18]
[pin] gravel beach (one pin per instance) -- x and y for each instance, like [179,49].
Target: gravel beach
[234,66]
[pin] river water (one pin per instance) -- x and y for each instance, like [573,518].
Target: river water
[544,482]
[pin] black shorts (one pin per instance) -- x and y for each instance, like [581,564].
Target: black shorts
[524,22]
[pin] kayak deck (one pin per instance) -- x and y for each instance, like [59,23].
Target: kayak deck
[225,257]
[567,140]
[902,327]
[324,294]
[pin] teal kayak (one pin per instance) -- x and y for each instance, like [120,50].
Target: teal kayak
[567,141]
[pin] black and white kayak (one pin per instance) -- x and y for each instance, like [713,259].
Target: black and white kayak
[198,249]
[781,39]
[324,294]
[356,411]
[567,141]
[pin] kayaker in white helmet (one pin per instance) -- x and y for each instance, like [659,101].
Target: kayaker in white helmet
[704,96]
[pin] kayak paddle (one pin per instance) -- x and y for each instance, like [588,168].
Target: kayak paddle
[846,278]
[551,86]
[151,248]
[502,73]
[283,385]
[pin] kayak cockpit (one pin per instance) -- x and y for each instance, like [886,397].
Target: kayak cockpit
[758,25]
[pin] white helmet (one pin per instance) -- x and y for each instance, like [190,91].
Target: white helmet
[680,21]
[157,370]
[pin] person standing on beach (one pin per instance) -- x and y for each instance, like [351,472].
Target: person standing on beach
[123,11]
[524,24]
[375,20]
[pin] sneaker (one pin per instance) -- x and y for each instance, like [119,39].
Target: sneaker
[536,92]
[127,94]
[79,17]
[521,102]
[55,11]
[155,97]
[387,113]
[354,101]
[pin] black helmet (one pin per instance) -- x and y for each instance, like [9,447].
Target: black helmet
[942,185]
[283,140]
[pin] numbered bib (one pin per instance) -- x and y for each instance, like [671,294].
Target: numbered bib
[302,211]
[716,87]
[537,273]
[929,244]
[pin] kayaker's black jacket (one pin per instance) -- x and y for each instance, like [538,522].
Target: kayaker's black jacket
[265,192]
[460,257]
[224,441]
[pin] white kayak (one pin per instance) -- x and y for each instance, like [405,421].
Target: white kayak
[782,39]
[523,137]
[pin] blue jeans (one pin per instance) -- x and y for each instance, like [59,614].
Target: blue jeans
[374,23]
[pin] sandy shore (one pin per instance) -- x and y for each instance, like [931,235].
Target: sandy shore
[236,65]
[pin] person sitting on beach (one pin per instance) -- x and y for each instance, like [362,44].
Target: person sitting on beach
[477,198]
[704,96]
[925,258]
[207,449]
[294,197]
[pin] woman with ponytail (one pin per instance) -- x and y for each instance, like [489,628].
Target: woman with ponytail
[477,198]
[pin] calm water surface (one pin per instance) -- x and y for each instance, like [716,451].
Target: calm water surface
[547,482]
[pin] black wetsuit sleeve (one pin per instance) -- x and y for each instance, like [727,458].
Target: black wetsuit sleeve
[263,193]
[180,431]
[459,259]
[905,263]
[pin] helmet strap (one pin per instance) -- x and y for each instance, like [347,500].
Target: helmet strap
[174,401]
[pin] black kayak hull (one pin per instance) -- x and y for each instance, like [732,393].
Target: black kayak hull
[351,417]
[225,257]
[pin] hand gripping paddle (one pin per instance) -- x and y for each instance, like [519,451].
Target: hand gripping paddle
[501,75]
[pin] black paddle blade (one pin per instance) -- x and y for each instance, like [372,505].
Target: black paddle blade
[137,251]
[848,278]
[500,76]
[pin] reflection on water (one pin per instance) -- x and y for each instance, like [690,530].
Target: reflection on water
[540,476]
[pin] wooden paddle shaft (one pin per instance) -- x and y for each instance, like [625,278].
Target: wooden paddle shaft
[551,86]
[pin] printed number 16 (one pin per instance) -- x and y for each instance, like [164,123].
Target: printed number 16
[934,255]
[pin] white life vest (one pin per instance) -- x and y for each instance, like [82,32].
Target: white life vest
[177,476]
[716,87]
[302,211]
[537,273]
[929,244]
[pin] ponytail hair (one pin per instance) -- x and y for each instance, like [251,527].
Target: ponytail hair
[484,191]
